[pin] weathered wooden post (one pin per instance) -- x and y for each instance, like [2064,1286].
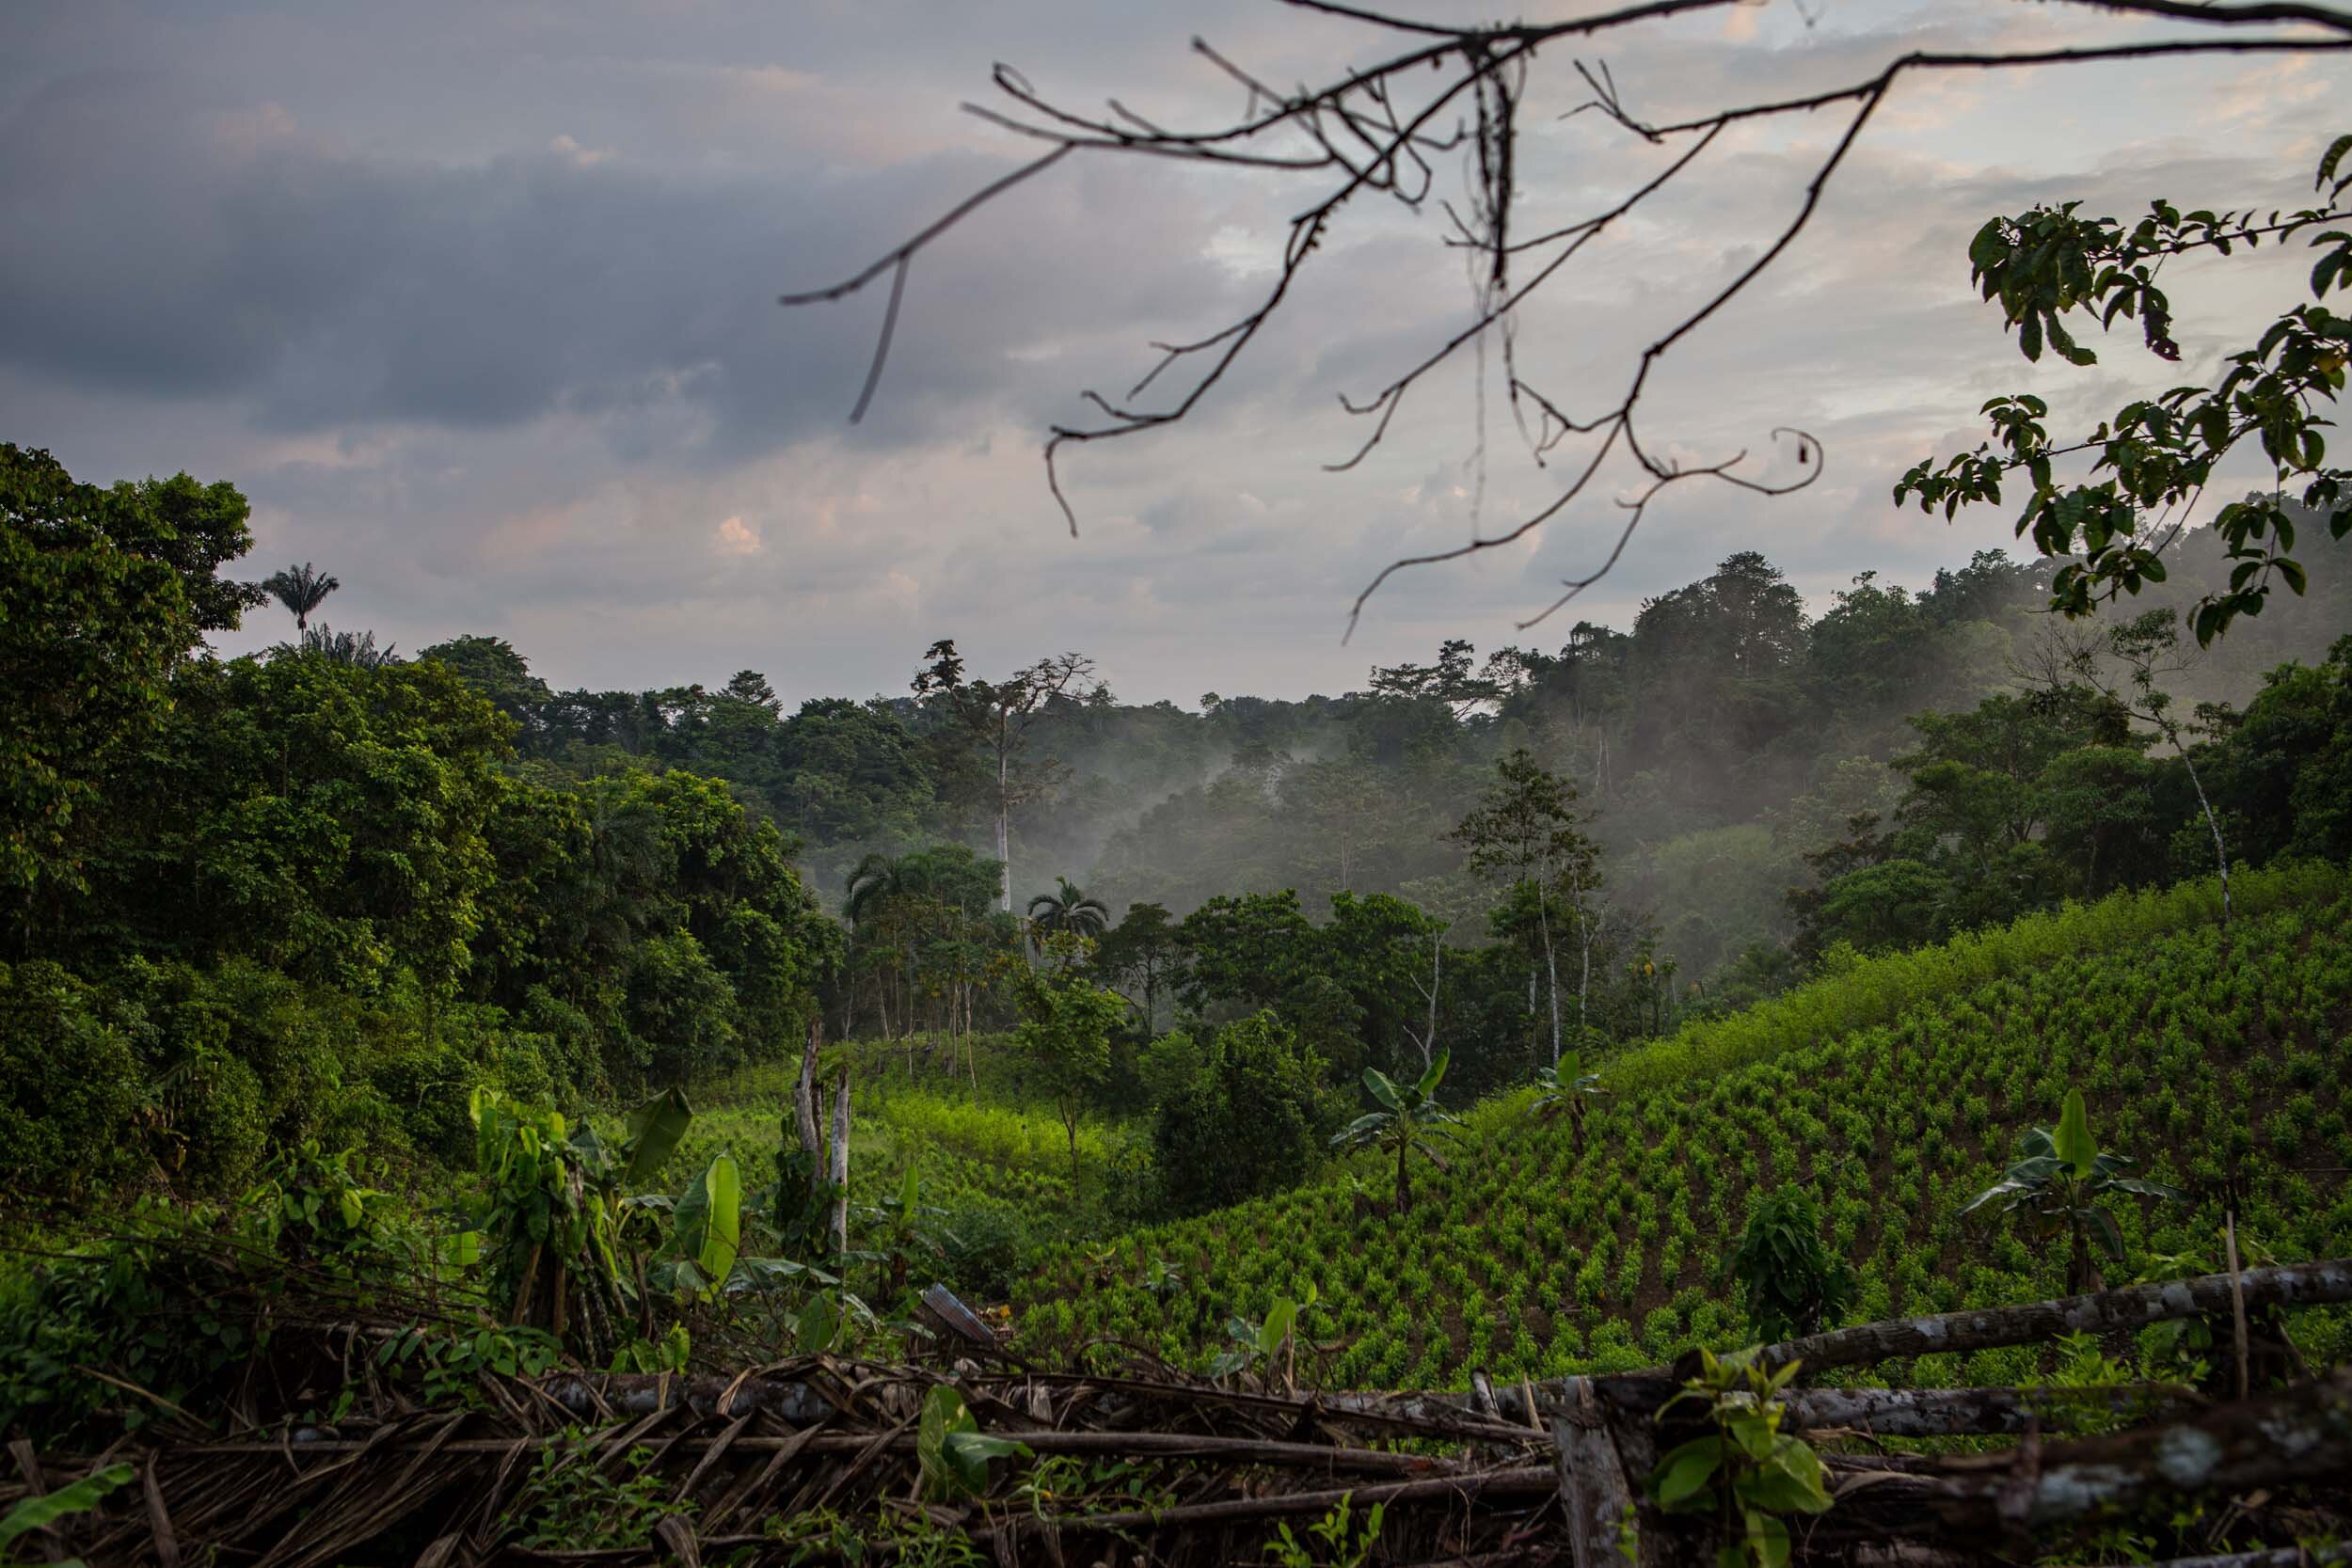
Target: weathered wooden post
[1594,1490]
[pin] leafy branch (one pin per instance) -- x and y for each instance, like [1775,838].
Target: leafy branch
[2159,454]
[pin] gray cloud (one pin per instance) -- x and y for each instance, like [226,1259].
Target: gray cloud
[477,306]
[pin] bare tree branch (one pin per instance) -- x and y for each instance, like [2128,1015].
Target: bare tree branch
[1377,130]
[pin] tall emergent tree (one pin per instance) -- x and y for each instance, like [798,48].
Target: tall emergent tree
[301,590]
[2146,648]
[1143,945]
[1528,831]
[995,719]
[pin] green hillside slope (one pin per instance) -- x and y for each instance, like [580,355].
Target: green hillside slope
[1894,1089]
[994,1181]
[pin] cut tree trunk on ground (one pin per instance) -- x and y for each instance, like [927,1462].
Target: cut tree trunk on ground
[2105,1312]
[1922,1412]
[2303,1434]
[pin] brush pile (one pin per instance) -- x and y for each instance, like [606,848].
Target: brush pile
[822,1459]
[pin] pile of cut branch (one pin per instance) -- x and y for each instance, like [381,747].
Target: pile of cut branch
[818,1459]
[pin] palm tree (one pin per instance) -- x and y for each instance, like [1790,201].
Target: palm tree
[1067,908]
[346,647]
[1566,1088]
[1410,1115]
[874,882]
[302,589]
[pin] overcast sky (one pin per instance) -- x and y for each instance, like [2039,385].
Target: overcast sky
[477,304]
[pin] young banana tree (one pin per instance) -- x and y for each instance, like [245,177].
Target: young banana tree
[2061,1176]
[1409,1116]
[1567,1089]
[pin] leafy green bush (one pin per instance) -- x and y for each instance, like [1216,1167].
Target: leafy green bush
[1792,1283]
[990,1246]
[71,1086]
[1241,1117]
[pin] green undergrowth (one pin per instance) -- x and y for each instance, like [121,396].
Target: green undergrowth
[1892,1088]
[996,1169]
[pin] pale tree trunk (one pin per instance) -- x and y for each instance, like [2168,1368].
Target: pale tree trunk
[804,1104]
[1437,984]
[840,1172]
[2212,823]
[1004,824]
[1427,1040]
[1584,977]
[1551,967]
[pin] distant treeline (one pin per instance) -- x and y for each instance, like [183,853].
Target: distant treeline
[1721,745]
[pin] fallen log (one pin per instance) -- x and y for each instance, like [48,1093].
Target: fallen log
[1929,1412]
[2106,1312]
[2303,1434]
[2282,1557]
[2133,1306]
[597,1396]
[1153,1445]
[1532,1481]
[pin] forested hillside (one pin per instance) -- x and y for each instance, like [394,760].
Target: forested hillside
[311,897]
[320,893]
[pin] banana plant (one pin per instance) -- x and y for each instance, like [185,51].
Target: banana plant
[904,1228]
[2062,1178]
[654,1128]
[1409,1116]
[708,1236]
[1164,1280]
[1271,1343]
[1565,1090]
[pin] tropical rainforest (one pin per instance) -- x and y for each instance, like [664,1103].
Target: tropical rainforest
[1559,1011]
[399,1054]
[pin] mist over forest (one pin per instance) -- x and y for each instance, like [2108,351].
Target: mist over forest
[1721,746]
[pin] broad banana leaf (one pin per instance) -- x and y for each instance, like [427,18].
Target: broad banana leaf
[1431,1074]
[2075,1146]
[952,1452]
[653,1130]
[710,1218]
[818,1326]
[32,1513]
